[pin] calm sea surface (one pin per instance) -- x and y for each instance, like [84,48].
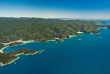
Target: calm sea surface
[90,55]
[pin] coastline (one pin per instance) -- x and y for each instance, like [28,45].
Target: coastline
[6,44]
[102,28]
[71,36]
[30,41]
[1,64]
[80,32]
[2,49]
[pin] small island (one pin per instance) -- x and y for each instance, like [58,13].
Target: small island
[10,57]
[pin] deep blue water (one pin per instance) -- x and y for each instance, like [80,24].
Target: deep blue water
[90,55]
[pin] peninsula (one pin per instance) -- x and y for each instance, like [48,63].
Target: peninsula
[10,57]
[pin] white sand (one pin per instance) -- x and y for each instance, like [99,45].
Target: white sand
[80,32]
[56,38]
[2,50]
[5,44]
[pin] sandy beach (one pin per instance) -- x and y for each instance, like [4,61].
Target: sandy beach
[2,50]
[29,41]
[6,44]
[80,32]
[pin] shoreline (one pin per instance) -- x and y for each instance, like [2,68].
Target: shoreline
[1,64]
[102,28]
[9,62]
[80,32]
[2,49]
[30,41]
[71,36]
[6,44]
[26,42]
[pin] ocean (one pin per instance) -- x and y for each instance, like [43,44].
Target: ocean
[86,54]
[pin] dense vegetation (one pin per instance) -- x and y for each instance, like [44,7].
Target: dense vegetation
[15,43]
[6,58]
[42,30]
[1,46]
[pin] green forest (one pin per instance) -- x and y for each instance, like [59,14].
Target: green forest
[42,30]
[8,57]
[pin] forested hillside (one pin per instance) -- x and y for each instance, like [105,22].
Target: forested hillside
[42,30]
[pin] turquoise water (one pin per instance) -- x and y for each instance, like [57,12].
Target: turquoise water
[90,55]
